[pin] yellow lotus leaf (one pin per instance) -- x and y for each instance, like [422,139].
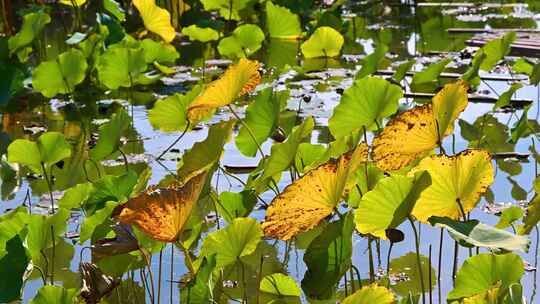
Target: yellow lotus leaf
[238,80]
[413,133]
[371,294]
[459,179]
[162,212]
[156,19]
[311,198]
[77,3]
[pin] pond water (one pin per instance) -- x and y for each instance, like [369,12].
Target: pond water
[420,33]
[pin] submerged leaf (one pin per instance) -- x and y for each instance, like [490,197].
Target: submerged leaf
[457,183]
[415,132]
[162,212]
[238,80]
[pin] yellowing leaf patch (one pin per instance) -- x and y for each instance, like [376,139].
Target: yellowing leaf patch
[155,19]
[459,179]
[238,80]
[311,198]
[415,132]
[162,212]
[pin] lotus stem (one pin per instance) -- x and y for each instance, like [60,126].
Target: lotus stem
[441,237]
[171,276]
[174,142]
[388,260]
[53,254]
[126,162]
[159,276]
[454,267]
[429,277]
[417,243]
[357,276]
[371,264]
[49,186]
[189,262]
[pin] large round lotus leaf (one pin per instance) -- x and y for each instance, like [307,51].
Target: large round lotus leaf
[156,19]
[457,182]
[364,104]
[121,67]
[405,270]
[159,52]
[324,42]
[238,239]
[60,75]
[202,34]
[389,203]
[309,199]
[281,285]
[244,41]
[238,80]
[417,131]
[481,272]
[50,148]
[170,114]
[54,295]
[109,135]
[370,295]
[33,24]
[281,22]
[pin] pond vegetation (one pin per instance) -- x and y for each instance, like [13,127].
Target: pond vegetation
[258,151]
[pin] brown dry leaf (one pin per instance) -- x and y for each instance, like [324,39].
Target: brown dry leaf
[95,284]
[238,80]
[162,212]
[415,132]
[311,198]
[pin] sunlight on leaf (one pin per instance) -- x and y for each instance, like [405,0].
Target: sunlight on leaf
[370,295]
[324,42]
[32,25]
[281,285]
[281,22]
[244,41]
[156,19]
[162,212]
[55,295]
[238,80]
[170,114]
[415,132]
[202,34]
[457,183]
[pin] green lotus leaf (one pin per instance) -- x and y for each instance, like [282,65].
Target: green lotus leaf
[371,294]
[281,52]
[407,266]
[109,135]
[33,24]
[115,9]
[91,223]
[328,256]
[260,122]
[488,133]
[281,285]
[233,205]
[50,148]
[308,155]
[509,216]
[282,155]
[504,99]
[473,233]
[170,114]
[364,105]
[402,70]
[60,75]
[75,196]
[364,183]
[12,77]
[160,52]
[12,268]
[110,188]
[55,295]
[205,154]
[428,79]
[11,224]
[42,228]
[389,204]
[373,62]
[240,238]
[228,9]
[281,22]
[244,41]
[481,272]
[533,216]
[202,34]
[199,289]
[324,42]
[121,67]
[494,51]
